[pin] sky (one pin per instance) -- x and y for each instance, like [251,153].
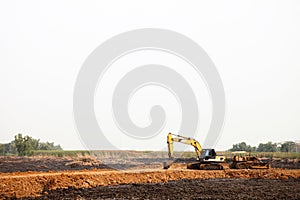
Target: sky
[255,46]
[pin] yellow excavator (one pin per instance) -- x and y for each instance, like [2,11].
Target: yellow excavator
[207,158]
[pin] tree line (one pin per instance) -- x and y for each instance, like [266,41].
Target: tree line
[288,146]
[24,146]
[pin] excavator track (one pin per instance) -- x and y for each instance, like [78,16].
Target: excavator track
[211,167]
[208,166]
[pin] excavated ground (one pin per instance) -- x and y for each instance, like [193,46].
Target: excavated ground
[187,189]
[148,181]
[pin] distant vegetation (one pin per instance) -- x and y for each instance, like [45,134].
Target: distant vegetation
[284,155]
[267,147]
[28,146]
[61,153]
[25,146]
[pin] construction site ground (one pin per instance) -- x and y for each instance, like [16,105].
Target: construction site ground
[88,178]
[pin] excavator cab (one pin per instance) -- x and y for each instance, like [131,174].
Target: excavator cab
[207,154]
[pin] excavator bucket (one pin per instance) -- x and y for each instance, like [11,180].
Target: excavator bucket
[167,164]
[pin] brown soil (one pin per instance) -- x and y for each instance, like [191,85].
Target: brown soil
[64,176]
[24,184]
[188,189]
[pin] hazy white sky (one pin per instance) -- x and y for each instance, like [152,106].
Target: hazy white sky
[255,46]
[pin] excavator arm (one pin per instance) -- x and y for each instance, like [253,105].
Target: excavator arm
[184,140]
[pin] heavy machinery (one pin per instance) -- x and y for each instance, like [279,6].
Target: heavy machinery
[207,158]
[241,160]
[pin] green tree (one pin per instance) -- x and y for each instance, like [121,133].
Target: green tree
[2,149]
[11,148]
[20,144]
[49,146]
[268,147]
[25,145]
[242,147]
[287,146]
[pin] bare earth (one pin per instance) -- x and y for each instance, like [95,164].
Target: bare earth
[148,181]
[188,189]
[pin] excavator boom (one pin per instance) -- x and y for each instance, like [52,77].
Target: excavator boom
[184,140]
